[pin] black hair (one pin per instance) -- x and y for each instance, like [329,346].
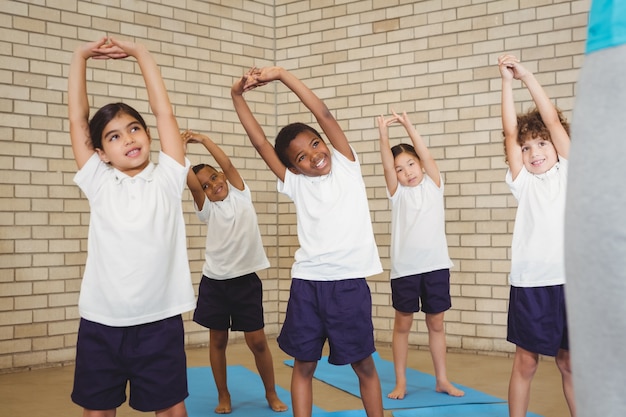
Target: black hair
[403,147]
[286,135]
[107,113]
[199,167]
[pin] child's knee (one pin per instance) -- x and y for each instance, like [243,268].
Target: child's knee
[365,367]
[257,342]
[434,322]
[218,340]
[563,361]
[258,346]
[304,369]
[526,362]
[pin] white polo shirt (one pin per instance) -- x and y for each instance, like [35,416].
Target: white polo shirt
[233,243]
[137,269]
[334,225]
[537,257]
[418,235]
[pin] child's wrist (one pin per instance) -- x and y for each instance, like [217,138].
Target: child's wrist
[526,76]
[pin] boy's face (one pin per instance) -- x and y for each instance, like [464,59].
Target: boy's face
[213,183]
[309,155]
[125,145]
[408,169]
[538,155]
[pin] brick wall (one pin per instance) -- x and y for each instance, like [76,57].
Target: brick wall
[434,59]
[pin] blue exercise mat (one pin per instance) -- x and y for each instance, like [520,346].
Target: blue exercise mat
[344,413]
[464,410]
[420,386]
[246,392]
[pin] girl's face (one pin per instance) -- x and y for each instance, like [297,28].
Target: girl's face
[538,155]
[309,155]
[213,183]
[125,145]
[408,169]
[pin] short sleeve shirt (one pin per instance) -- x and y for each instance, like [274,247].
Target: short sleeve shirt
[607,24]
[233,243]
[537,257]
[334,225]
[418,237]
[137,270]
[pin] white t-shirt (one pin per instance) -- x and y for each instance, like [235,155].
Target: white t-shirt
[418,235]
[233,245]
[334,224]
[537,247]
[137,269]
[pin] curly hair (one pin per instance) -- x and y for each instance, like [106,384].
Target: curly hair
[530,125]
[286,135]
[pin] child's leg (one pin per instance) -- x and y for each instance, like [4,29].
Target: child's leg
[369,385]
[563,363]
[302,388]
[400,349]
[177,410]
[257,342]
[525,365]
[437,345]
[217,356]
[99,413]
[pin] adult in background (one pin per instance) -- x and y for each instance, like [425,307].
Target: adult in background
[595,229]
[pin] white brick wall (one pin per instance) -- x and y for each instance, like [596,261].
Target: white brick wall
[434,59]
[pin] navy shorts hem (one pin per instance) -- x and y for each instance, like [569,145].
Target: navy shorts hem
[537,320]
[235,304]
[149,357]
[431,288]
[339,312]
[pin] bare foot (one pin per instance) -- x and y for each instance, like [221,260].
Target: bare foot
[398,392]
[224,406]
[275,403]
[448,388]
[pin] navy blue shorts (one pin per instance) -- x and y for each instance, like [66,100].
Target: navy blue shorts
[235,304]
[151,357]
[337,311]
[432,288]
[537,319]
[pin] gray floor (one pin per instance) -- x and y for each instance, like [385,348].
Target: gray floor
[45,392]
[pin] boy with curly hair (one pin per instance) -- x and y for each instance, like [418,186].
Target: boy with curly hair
[537,147]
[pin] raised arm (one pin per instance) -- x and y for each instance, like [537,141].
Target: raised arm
[196,189]
[428,162]
[251,125]
[549,114]
[391,179]
[78,104]
[324,117]
[506,65]
[232,174]
[167,126]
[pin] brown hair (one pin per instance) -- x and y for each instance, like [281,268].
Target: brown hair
[530,125]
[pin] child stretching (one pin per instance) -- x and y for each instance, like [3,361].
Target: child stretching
[420,265]
[329,297]
[136,282]
[537,146]
[230,293]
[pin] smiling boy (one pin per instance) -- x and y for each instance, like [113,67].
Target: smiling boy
[537,147]
[329,297]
